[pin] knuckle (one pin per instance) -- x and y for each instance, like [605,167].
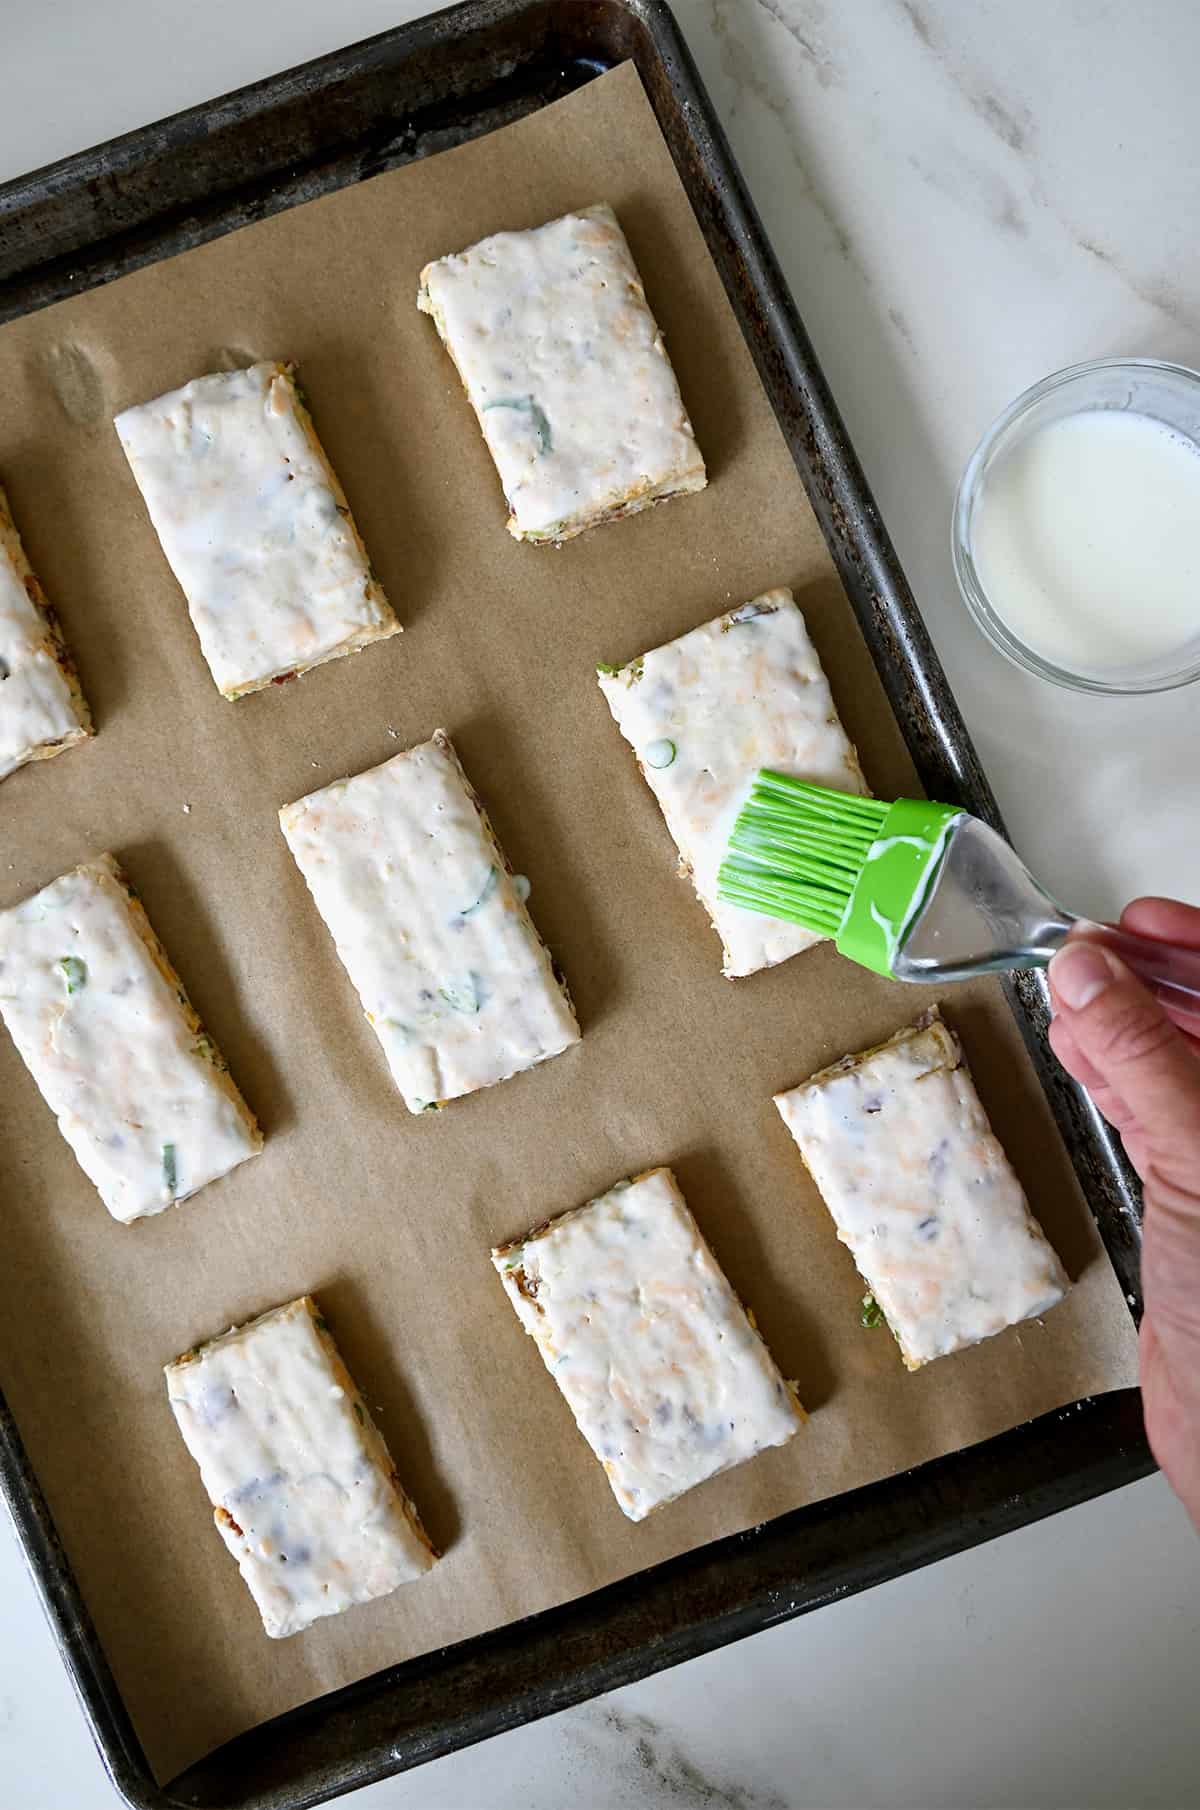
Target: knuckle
[1133,1032]
[1108,1102]
[1063,1043]
[1172,1224]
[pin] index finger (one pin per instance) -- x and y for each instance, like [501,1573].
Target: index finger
[1158,920]
[1166,920]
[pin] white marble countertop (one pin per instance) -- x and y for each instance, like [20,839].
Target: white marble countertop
[963,199]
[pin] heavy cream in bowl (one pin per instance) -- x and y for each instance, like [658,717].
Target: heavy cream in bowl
[1077,527]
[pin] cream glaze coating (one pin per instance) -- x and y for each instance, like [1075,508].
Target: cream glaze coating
[667,1378]
[567,372]
[703,714]
[103,1025]
[430,925]
[255,526]
[918,1186]
[42,710]
[303,1489]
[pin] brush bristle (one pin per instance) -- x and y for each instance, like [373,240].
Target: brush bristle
[797,850]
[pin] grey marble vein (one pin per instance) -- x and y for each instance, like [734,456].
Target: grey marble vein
[803,21]
[973,185]
[1155,294]
[667,1777]
[744,67]
[1011,122]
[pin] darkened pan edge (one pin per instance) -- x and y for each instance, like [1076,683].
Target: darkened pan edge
[400,96]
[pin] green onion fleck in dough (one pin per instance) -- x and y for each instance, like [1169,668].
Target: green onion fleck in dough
[462,996]
[872,1313]
[537,416]
[74,972]
[631,673]
[359,1416]
[169,1171]
[660,754]
[489,887]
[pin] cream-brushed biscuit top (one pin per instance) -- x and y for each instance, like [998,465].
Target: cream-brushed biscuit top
[703,714]
[303,1489]
[666,1376]
[254,525]
[41,709]
[430,925]
[97,1012]
[919,1188]
[567,372]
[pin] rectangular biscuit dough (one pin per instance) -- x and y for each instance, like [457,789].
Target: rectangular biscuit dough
[255,526]
[703,714]
[104,1026]
[42,710]
[567,373]
[900,1147]
[659,1362]
[304,1491]
[430,925]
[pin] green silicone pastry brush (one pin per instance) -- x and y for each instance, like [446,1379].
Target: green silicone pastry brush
[920,891]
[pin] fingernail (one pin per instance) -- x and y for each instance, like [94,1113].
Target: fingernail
[1079,974]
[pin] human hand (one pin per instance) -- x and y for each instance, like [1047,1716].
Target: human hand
[1143,1072]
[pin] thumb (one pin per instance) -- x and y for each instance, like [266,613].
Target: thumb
[1133,1050]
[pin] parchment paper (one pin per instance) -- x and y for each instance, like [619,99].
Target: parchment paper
[387,1218]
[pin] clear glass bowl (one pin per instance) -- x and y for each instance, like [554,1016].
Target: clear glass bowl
[1169,393]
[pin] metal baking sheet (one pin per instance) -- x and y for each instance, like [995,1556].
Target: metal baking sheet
[413,91]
